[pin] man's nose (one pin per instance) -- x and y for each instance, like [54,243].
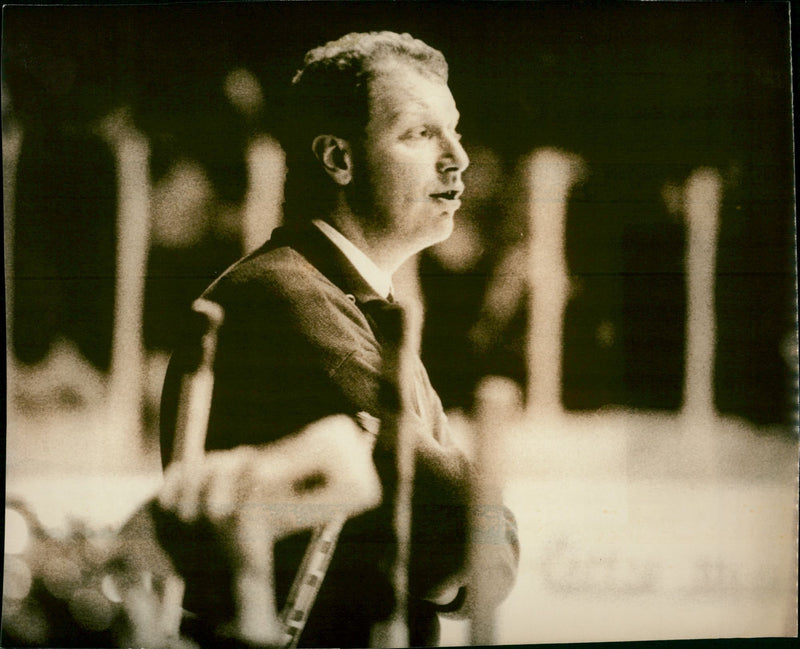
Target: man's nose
[454,157]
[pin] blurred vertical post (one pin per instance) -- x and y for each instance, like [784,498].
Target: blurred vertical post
[131,151]
[701,203]
[551,176]
[266,168]
[12,142]
[266,161]
[394,445]
[154,615]
[497,400]
[702,194]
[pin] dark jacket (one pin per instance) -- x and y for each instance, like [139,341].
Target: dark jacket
[302,340]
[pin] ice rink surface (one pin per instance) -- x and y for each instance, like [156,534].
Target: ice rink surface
[641,526]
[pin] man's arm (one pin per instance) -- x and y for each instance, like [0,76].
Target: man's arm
[442,514]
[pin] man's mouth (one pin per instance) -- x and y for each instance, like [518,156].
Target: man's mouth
[451,195]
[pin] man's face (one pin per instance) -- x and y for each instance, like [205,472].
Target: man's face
[410,181]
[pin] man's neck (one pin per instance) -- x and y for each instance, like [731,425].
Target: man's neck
[383,253]
[376,277]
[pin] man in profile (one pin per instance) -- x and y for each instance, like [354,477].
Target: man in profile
[374,176]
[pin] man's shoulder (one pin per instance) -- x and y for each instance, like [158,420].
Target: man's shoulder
[271,275]
[276,293]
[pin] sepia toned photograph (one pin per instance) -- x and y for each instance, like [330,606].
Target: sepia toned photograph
[399,324]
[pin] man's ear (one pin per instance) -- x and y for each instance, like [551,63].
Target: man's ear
[335,156]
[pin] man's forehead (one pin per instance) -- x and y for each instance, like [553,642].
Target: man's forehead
[403,88]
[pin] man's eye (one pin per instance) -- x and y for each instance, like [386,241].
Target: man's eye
[423,132]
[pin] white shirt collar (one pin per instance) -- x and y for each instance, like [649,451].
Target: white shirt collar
[379,280]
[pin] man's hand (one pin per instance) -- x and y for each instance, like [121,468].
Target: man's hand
[253,496]
[323,471]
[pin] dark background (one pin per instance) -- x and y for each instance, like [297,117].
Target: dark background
[643,92]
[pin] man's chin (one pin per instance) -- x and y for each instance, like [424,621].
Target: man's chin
[444,228]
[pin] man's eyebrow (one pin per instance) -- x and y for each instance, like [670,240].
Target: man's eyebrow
[416,108]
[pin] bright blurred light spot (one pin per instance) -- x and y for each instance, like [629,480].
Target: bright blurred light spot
[605,334]
[672,195]
[110,589]
[244,91]
[789,350]
[499,394]
[17,532]
[180,206]
[462,250]
[61,576]
[17,579]
[90,609]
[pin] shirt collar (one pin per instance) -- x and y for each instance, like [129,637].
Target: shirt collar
[380,281]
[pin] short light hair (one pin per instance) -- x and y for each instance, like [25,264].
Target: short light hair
[330,95]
